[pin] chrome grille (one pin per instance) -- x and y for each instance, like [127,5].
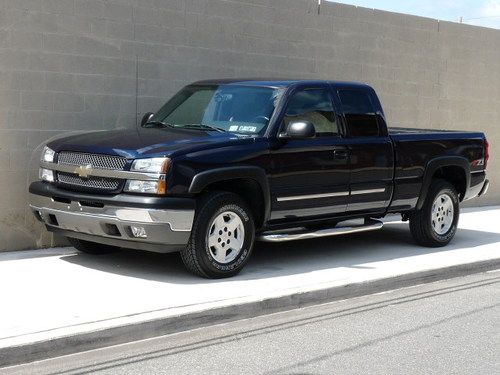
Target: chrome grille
[92,182]
[95,160]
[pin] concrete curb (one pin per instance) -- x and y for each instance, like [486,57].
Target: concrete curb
[65,345]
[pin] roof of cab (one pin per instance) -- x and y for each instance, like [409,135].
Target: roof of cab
[278,83]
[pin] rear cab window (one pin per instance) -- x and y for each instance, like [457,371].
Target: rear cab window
[359,112]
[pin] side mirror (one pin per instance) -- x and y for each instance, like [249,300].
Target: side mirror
[299,130]
[145,119]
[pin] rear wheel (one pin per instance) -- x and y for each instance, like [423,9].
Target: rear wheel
[92,247]
[435,224]
[222,236]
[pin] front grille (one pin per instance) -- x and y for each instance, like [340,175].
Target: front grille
[92,182]
[95,160]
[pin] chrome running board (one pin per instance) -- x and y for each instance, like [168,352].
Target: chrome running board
[280,236]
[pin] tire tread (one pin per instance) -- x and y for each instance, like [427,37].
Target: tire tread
[205,205]
[419,227]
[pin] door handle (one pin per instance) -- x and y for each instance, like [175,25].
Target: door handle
[340,154]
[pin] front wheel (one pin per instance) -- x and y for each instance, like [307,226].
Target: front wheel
[222,236]
[435,224]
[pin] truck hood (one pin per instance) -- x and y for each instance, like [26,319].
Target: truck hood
[145,142]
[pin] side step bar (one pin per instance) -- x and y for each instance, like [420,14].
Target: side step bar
[369,224]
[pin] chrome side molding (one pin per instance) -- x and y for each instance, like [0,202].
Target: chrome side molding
[329,195]
[312,196]
[367,191]
[369,225]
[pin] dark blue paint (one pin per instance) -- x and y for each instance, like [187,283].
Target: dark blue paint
[397,160]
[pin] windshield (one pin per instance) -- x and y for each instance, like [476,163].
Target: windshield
[232,108]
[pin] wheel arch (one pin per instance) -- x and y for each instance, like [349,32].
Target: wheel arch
[454,169]
[250,183]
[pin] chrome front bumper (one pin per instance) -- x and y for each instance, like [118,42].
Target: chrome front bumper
[166,229]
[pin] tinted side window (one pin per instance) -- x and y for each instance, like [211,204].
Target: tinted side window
[313,105]
[359,113]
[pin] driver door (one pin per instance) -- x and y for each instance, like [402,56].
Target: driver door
[310,176]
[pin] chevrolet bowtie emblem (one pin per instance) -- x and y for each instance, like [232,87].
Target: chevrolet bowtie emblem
[84,171]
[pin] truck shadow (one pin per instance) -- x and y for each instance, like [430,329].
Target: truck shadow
[355,251]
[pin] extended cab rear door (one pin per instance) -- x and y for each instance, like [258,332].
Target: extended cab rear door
[370,149]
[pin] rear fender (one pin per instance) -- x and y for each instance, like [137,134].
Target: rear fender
[436,164]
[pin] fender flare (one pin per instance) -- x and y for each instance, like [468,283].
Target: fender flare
[203,179]
[440,162]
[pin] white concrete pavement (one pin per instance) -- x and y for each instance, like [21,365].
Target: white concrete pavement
[52,299]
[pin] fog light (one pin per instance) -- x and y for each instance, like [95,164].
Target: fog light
[138,232]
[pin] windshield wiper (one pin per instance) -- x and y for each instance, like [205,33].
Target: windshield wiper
[203,126]
[189,126]
[159,124]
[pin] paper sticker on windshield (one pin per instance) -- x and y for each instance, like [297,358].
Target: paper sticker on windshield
[251,129]
[243,129]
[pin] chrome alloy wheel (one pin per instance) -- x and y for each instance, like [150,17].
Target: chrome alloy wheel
[442,214]
[225,237]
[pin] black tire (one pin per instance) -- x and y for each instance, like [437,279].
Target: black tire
[198,257]
[93,248]
[421,223]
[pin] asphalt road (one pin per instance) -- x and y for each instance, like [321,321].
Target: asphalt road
[447,327]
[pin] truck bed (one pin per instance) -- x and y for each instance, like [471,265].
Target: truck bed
[415,148]
[446,134]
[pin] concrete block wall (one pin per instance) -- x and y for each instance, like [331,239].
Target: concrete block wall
[69,65]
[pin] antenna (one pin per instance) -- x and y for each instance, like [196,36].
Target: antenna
[136,89]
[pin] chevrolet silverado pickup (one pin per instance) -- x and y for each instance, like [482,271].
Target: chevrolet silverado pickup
[227,162]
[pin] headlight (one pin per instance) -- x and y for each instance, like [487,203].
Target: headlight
[48,155]
[46,175]
[144,187]
[153,165]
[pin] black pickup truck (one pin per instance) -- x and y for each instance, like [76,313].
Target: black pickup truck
[227,162]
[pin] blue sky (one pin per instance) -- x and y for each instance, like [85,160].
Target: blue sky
[475,12]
